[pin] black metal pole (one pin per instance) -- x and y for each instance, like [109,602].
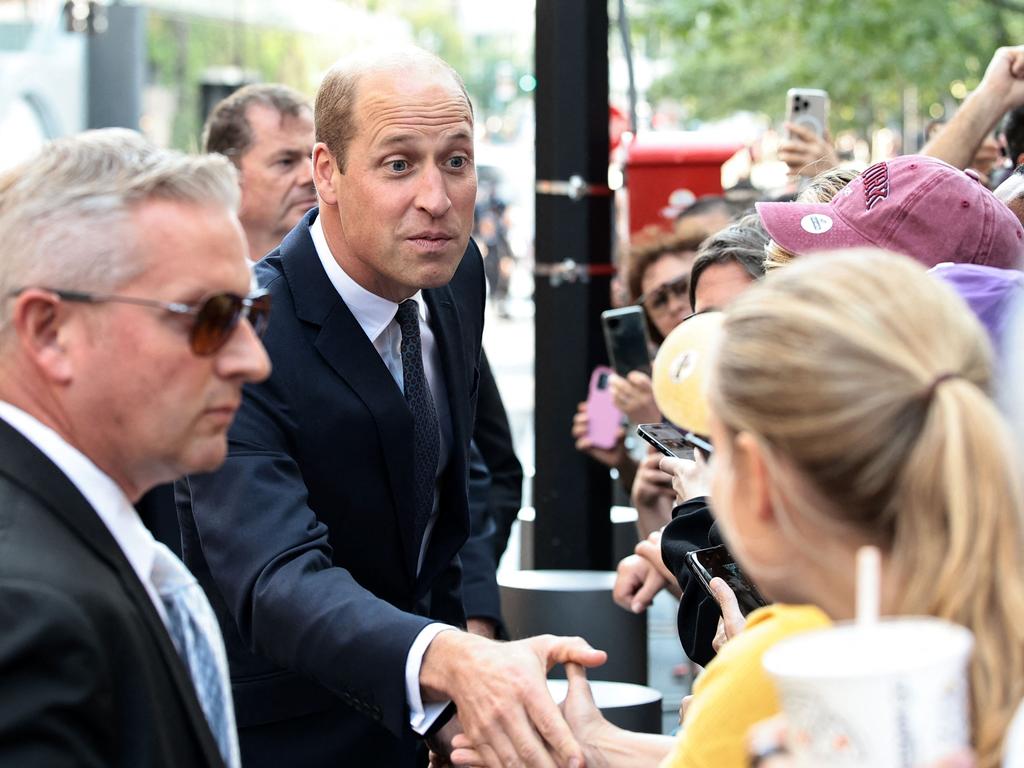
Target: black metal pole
[572,493]
[116,66]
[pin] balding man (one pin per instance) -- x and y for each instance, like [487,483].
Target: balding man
[329,541]
[125,340]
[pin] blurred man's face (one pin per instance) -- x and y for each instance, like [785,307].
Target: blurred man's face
[403,206]
[152,409]
[719,284]
[276,176]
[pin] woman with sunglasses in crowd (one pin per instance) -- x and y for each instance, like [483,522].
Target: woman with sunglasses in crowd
[850,405]
[657,272]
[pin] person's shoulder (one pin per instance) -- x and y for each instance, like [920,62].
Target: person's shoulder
[766,626]
[268,270]
[468,281]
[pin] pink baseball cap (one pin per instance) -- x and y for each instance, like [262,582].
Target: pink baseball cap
[915,205]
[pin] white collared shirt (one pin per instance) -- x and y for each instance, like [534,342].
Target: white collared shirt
[102,493]
[377,317]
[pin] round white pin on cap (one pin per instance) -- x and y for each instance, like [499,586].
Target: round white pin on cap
[816,223]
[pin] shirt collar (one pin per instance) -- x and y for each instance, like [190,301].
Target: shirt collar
[98,488]
[372,312]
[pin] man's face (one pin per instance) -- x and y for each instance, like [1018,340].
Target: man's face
[399,217]
[719,284]
[150,409]
[275,173]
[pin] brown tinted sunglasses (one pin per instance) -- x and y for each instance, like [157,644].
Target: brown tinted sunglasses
[215,317]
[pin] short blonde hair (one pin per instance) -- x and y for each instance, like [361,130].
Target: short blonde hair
[869,381]
[64,213]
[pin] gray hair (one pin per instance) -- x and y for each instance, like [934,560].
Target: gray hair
[65,213]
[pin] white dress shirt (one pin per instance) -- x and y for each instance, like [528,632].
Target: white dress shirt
[102,493]
[377,317]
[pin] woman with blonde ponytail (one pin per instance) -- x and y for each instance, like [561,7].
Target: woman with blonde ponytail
[851,403]
[849,398]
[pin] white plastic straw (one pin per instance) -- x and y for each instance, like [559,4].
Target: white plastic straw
[869,583]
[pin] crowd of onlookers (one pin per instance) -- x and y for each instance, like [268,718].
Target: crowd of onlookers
[863,371]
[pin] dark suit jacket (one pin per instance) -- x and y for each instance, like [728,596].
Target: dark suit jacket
[304,538]
[493,437]
[89,675]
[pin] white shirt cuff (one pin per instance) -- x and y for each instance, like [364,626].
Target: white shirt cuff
[421,716]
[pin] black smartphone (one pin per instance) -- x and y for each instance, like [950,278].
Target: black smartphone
[673,441]
[625,336]
[706,564]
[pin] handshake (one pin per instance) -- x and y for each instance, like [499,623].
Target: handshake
[506,716]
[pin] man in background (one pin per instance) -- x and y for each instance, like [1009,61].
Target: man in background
[266,130]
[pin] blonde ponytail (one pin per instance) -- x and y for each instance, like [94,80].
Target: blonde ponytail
[870,379]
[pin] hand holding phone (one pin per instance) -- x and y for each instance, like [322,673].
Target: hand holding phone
[808,108]
[604,420]
[625,335]
[733,621]
[717,562]
[690,479]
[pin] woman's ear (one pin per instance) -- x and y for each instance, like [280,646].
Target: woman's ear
[754,491]
[40,322]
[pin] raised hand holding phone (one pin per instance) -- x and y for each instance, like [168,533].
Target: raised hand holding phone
[733,621]
[690,479]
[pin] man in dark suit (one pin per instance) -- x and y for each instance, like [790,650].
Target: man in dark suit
[329,541]
[124,346]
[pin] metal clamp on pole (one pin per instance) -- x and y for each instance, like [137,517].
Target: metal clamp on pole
[569,271]
[575,188]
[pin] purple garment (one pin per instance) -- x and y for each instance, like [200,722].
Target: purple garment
[991,293]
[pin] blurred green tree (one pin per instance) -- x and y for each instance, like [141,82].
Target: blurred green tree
[729,55]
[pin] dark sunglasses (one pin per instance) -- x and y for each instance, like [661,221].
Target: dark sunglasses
[215,316]
[657,299]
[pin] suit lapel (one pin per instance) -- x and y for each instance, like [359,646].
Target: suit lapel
[30,469]
[346,349]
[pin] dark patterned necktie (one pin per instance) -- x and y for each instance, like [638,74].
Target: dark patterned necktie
[426,433]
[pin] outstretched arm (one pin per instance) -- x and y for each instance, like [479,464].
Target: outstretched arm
[1001,89]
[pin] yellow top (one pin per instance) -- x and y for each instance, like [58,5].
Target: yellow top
[734,692]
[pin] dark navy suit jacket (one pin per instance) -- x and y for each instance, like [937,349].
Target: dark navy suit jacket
[304,538]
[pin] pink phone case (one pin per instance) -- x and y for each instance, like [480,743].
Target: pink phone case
[605,418]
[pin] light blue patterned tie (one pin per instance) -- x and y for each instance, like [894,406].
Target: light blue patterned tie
[193,627]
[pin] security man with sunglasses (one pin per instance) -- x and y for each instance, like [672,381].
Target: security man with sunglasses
[127,332]
[329,542]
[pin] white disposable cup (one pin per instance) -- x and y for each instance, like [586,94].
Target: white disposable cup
[893,694]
